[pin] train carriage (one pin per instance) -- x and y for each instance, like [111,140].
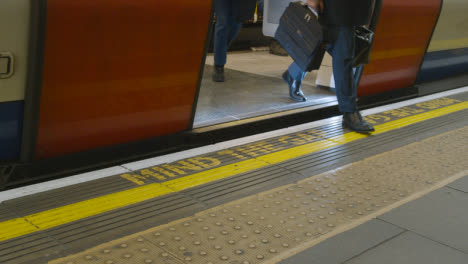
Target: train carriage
[85,84]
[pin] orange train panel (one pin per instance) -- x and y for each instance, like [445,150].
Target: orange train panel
[118,71]
[403,33]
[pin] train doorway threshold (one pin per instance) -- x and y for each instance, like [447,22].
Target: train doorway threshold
[253,88]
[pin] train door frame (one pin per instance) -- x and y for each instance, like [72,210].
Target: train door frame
[209,33]
[28,65]
[358,73]
[430,40]
[32,98]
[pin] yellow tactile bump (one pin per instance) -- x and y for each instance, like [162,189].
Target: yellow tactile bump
[272,225]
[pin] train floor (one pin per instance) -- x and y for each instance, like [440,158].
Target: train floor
[262,89]
[314,193]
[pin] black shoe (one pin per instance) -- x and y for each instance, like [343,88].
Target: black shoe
[277,49]
[294,88]
[218,73]
[355,122]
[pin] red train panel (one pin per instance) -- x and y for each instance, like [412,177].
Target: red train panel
[118,71]
[403,33]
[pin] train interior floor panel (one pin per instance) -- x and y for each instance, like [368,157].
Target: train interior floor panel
[253,87]
[314,193]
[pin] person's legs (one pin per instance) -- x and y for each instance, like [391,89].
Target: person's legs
[342,50]
[293,77]
[226,30]
[234,25]
[221,31]
[234,30]
[296,72]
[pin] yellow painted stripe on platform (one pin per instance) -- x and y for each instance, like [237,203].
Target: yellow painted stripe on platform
[204,177]
[294,152]
[406,121]
[15,228]
[69,213]
[201,178]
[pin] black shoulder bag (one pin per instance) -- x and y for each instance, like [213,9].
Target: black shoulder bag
[364,39]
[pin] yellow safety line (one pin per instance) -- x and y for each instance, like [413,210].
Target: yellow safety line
[201,178]
[69,213]
[15,228]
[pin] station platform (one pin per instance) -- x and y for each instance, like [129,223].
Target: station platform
[314,193]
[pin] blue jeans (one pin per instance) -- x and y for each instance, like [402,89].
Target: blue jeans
[226,28]
[341,48]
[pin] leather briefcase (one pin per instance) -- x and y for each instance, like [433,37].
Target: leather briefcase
[301,35]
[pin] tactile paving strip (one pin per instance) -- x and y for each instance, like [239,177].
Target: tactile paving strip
[134,250]
[268,226]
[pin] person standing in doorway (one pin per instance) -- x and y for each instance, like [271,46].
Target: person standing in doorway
[341,48]
[229,17]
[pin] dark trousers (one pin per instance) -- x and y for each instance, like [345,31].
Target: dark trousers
[226,28]
[341,48]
